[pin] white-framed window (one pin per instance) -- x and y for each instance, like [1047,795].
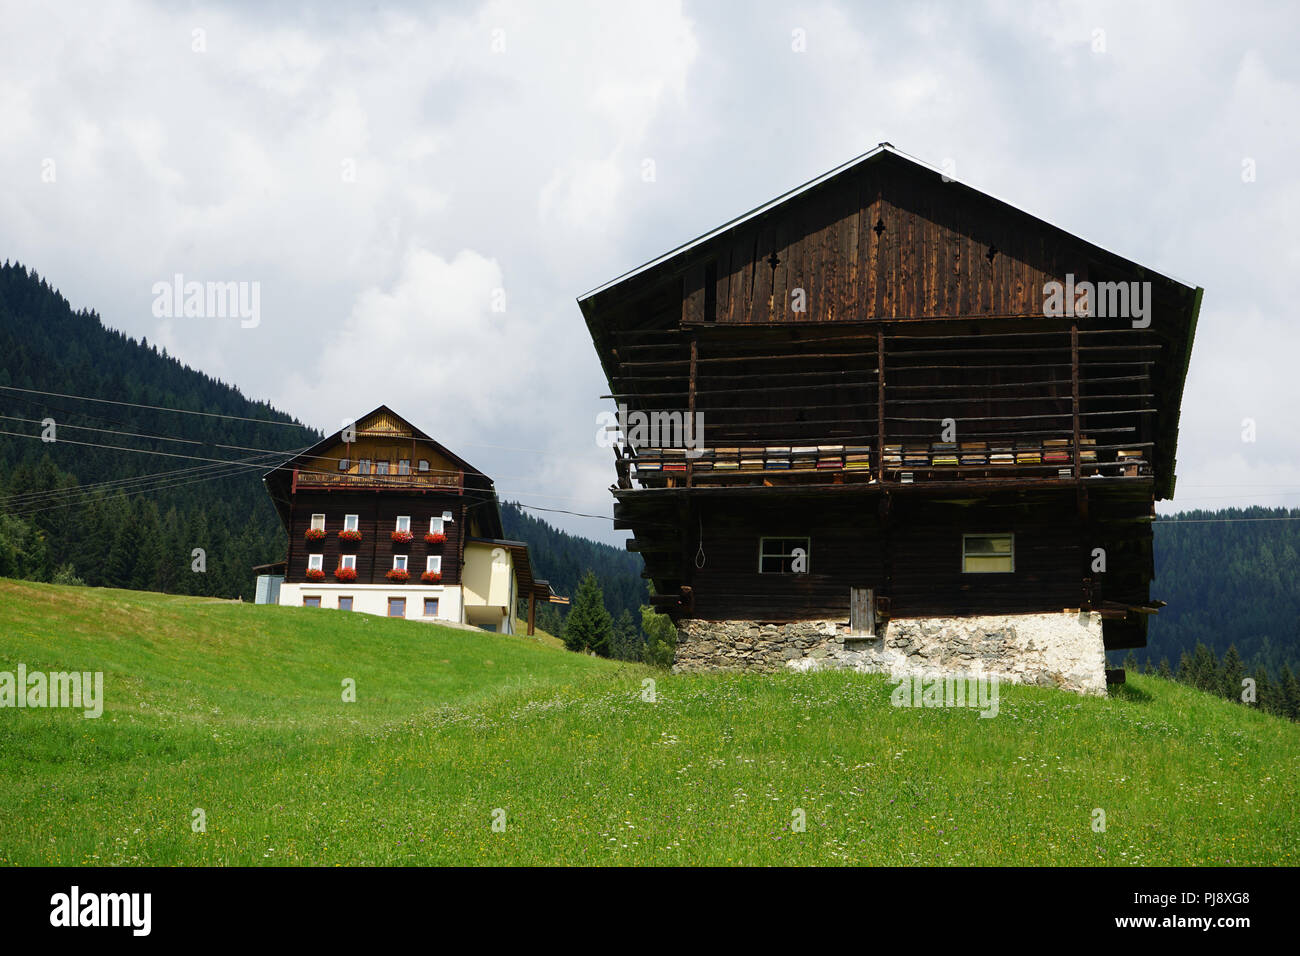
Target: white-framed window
[363,466]
[433,563]
[435,524]
[351,522]
[348,561]
[318,522]
[399,562]
[403,522]
[315,562]
[424,464]
[343,464]
[403,466]
[784,555]
[988,553]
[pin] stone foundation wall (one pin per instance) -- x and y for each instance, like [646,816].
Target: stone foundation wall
[1062,649]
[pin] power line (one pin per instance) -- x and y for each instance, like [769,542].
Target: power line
[156,408]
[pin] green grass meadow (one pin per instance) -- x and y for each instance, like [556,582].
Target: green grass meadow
[238,710]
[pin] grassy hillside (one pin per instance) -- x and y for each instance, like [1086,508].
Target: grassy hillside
[237,709]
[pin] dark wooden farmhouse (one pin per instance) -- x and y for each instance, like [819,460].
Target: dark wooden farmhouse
[383,519]
[887,421]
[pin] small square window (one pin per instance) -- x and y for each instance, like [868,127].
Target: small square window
[318,522]
[396,607]
[403,522]
[351,522]
[430,607]
[433,563]
[315,562]
[783,556]
[363,466]
[311,600]
[988,553]
[381,468]
[345,603]
[399,562]
[424,464]
[348,561]
[343,464]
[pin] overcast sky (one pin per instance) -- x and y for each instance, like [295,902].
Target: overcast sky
[387,174]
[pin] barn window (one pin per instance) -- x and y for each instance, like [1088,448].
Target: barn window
[403,466]
[348,561]
[381,468]
[399,562]
[430,607]
[403,522]
[435,525]
[315,562]
[988,553]
[783,555]
[343,464]
[345,603]
[433,563]
[318,522]
[424,464]
[311,600]
[350,522]
[396,607]
[363,466]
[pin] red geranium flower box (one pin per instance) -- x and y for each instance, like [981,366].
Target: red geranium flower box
[349,535]
[315,574]
[431,577]
[435,537]
[345,574]
[402,537]
[398,574]
[314,534]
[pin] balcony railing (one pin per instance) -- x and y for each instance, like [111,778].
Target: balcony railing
[416,481]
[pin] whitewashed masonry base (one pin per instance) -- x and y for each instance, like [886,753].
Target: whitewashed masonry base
[1060,649]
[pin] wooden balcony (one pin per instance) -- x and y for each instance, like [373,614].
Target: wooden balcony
[430,481]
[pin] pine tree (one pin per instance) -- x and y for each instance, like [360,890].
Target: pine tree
[1231,674]
[589,626]
[1164,670]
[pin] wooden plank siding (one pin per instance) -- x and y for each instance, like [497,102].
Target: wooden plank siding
[377,518]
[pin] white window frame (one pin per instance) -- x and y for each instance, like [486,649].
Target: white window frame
[399,562]
[318,522]
[348,561]
[315,562]
[762,553]
[435,525]
[403,523]
[351,522]
[433,563]
[988,534]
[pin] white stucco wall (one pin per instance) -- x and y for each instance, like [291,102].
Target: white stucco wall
[373,598]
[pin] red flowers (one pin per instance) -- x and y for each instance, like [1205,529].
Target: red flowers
[431,577]
[345,574]
[315,574]
[435,537]
[314,534]
[402,537]
[346,535]
[398,574]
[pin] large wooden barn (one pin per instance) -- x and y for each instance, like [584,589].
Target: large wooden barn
[929,431]
[384,520]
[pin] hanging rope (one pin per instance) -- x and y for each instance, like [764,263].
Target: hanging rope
[699,555]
